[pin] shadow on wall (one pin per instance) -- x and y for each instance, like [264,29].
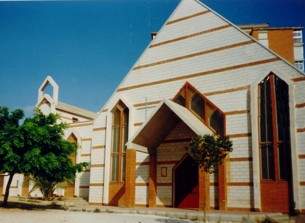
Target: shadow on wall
[118,192]
[250,152]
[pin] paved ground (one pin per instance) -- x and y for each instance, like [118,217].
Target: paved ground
[59,216]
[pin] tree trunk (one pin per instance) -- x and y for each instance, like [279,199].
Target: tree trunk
[7,189]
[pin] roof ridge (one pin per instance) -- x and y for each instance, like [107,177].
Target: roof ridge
[76,109]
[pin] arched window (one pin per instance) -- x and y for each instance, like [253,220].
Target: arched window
[197,105]
[119,139]
[274,128]
[204,109]
[180,100]
[72,139]
[217,122]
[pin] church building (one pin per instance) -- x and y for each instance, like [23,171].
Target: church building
[200,74]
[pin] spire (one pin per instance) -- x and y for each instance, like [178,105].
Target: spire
[42,91]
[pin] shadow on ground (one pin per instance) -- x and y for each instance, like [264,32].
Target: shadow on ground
[30,206]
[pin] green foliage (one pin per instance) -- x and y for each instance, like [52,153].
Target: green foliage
[12,147]
[209,151]
[49,160]
[37,148]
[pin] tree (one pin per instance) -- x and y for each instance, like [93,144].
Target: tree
[209,151]
[49,161]
[12,148]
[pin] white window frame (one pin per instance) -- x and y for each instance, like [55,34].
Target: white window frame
[298,36]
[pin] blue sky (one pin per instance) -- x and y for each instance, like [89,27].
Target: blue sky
[89,46]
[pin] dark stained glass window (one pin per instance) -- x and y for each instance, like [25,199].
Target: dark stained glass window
[274,129]
[197,105]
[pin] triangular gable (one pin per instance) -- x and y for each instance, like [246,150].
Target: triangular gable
[163,120]
[196,41]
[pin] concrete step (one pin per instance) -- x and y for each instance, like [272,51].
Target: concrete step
[196,216]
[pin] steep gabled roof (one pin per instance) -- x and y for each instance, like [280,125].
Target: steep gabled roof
[196,41]
[163,120]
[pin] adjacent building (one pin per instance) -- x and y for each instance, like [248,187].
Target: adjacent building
[285,41]
[200,74]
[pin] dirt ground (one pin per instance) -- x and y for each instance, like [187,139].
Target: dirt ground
[60,216]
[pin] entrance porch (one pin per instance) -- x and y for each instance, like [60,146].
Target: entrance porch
[159,171]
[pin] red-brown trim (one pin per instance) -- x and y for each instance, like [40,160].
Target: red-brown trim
[302,156]
[85,154]
[240,159]
[237,112]
[240,184]
[187,17]
[204,189]
[99,129]
[190,36]
[152,180]
[98,147]
[301,130]
[194,54]
[275,139]
[242,88]
[189,90]
[208,72]
[302,183]
[222,186]
[239,135]
[301,105]
[298,79]
[141,184]
[138,124]
[130,184]
[84,187]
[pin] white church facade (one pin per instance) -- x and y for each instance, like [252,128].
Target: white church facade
[200,74]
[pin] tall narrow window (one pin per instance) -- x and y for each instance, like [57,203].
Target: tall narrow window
[283,123]
[274,129]
[267,153]
[217,122]
[197,105]
[119,139]
[204,109]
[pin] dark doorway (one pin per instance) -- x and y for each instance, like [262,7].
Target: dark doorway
[186,191]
